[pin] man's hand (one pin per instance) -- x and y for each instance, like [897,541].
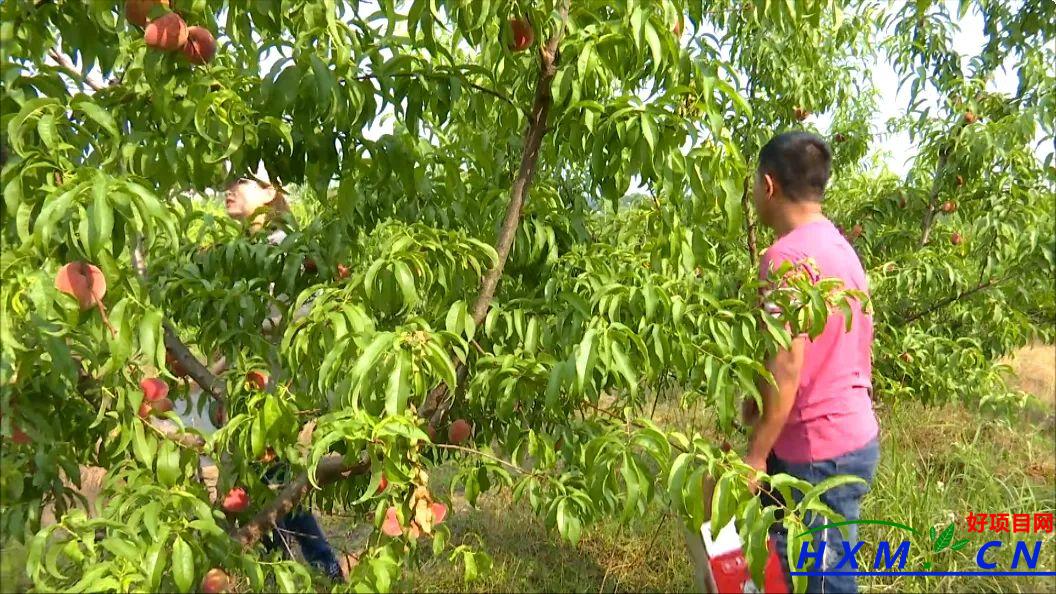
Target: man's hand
[758,467]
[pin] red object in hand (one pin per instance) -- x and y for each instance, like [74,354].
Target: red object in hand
[236,500]
[730,572]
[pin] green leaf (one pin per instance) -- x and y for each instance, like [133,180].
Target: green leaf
[168,464]
[121,548]
[48,131]
[285,580]
[654,45]
[583,357]
[154,564]
[398,387]
[182,565]
[143,448]
[723,502]
[16,127]
[55,208]
[649,130]
[830,483]
[100,217]
[405,280]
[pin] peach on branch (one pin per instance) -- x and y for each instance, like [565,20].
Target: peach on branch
[391,525]
[217,413]
[439,512]
[521,34]
[175,367]
[159,407]
[138,12]
[257,379]
[83,281]
[200,47]
[153,389]
[215,581]
[167,33]
[459,431]
[236,500]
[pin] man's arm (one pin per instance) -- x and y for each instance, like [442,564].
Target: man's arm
[777,402]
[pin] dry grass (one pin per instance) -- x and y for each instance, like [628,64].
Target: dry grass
[1035,370]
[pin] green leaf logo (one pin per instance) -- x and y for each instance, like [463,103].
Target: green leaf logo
[944,540]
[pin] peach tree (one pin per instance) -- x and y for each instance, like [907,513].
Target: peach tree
[518,226]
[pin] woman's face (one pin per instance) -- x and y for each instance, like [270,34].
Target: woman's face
[245,197]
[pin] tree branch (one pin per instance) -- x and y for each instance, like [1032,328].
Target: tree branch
[749,224]
[940,167]
[181,438]
[198,372]
[929,214]
[330,469]
[533,140]
[67,66]
[952,299]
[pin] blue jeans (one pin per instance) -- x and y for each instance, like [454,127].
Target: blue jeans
[302,525]
[845,500]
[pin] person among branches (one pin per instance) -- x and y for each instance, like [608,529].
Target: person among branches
[265,210]
[817,418]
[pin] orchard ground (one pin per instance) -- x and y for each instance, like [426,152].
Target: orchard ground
[938,463]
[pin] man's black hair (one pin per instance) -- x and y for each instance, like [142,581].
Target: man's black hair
[800,161]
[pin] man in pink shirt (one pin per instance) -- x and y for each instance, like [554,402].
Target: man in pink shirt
[817,421]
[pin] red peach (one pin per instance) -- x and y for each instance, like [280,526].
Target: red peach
[439,512]
[138,11]
[236,500]
[83,281]
[201,45]
[257,379]
[215,581]
[391,525]
[167,33]
[459,431]
[521,35]
[154,389]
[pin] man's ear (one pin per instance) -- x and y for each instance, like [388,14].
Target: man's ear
[769,185]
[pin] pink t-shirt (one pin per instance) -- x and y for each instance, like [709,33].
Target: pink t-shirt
[833,411]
